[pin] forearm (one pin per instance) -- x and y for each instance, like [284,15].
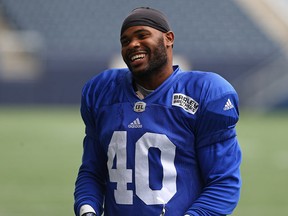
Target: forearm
[90,183]
[221,174]
[215,202]
[88,192]
[212,203]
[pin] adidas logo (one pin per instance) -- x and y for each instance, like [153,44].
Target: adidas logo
[228,105]
[135,124]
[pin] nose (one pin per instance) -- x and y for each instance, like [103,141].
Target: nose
[135,43]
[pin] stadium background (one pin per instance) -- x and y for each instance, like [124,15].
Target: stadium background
[48,49]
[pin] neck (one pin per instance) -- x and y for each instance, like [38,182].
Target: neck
[154,80]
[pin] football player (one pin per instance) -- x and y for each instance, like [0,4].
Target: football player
[159,140]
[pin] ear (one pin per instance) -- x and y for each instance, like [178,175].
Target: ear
[169,38]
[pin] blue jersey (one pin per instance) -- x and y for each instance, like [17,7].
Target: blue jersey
[174,151]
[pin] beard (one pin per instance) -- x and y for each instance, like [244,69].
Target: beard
[158,59]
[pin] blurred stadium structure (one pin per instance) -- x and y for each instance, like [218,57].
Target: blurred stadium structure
[48,49]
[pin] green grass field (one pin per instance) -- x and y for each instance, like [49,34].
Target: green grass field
[41,150]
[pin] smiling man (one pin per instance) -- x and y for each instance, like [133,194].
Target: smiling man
[150,63]
[159,141]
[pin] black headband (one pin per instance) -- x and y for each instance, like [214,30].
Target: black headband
[145,16]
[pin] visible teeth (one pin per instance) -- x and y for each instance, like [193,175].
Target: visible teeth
[139,56]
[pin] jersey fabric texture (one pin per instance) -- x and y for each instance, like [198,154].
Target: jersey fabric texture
[175,150]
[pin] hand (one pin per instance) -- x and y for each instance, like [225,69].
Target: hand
[89,214]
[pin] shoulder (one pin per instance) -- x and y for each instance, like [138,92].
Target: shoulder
[103,85]
[210,90]
[107,76]
[206,79]
[104,80]
[208,83]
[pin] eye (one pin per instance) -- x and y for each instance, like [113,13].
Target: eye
[142,36]
[124,42]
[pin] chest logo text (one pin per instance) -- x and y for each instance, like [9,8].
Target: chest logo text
[185,102]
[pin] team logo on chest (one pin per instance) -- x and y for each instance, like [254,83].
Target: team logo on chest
[139,106]
[185,102]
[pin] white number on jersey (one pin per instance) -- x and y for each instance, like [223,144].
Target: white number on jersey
[121,175]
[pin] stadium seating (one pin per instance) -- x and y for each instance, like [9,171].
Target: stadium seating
[81,37]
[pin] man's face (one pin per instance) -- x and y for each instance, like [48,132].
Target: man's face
[143,50]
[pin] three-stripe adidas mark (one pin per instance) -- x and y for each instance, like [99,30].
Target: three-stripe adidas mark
[135,124]
[228,105]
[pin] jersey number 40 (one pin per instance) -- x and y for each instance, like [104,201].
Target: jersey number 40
[121,175]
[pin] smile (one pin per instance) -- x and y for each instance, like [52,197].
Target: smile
[137,57]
